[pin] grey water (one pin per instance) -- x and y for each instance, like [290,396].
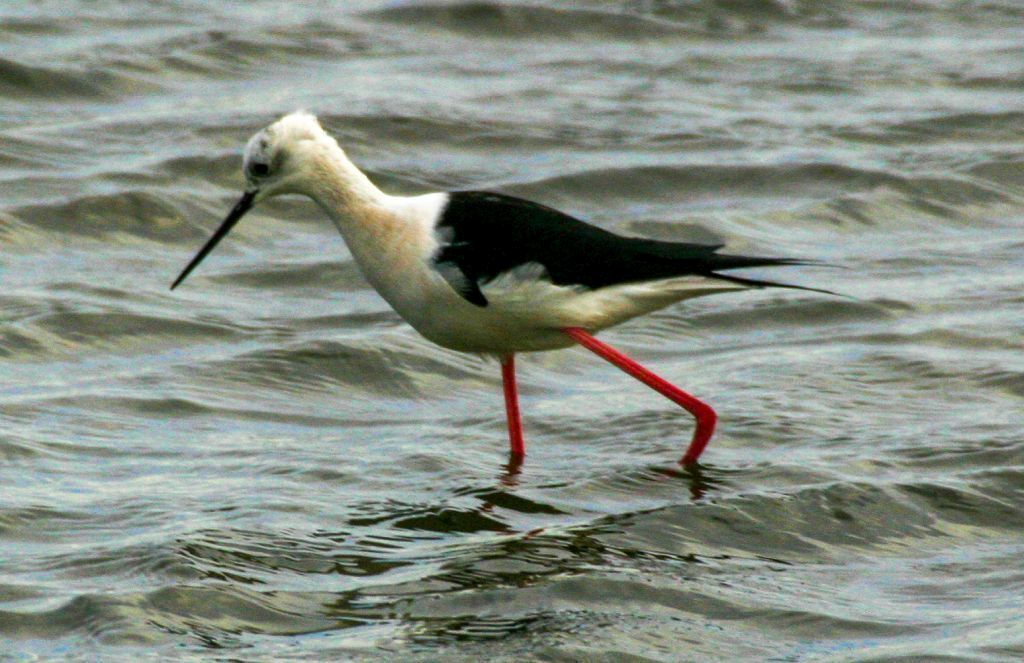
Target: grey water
[267,464]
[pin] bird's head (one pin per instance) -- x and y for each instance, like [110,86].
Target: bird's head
[279,159]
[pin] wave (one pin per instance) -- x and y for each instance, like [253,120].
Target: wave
[808,181]
[358,367]
[22,81]
[974,127]
[479,19]
[140,215]
[445,568]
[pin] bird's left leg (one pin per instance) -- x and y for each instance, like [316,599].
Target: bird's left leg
[706,417]
[517,447]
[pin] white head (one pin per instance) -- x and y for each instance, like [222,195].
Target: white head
[278,158]
[292,155]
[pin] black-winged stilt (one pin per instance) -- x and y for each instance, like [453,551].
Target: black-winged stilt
[489,273]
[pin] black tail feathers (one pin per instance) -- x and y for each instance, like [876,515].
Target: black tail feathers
[724,262]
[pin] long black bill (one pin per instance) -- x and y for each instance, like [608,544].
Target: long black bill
[236,213]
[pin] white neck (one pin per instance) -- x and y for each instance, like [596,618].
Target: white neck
[342,190]
[387,235]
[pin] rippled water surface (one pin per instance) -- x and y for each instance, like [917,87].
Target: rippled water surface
[268,464]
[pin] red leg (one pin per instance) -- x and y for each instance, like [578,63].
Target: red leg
[517,447]
[706,417]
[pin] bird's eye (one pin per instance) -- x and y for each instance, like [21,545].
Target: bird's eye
[259,169]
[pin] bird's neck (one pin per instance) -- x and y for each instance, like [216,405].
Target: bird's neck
[378,232]
[341,189]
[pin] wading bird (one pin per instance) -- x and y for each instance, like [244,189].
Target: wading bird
[489,273]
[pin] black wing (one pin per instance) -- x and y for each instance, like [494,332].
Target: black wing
[486,234]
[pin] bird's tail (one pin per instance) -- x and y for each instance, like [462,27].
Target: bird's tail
[724,262]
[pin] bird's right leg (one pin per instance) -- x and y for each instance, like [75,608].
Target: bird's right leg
[517,447]
[704,414]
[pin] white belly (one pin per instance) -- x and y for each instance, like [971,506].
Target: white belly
[530,315]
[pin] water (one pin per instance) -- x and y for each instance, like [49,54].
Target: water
[267,464]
